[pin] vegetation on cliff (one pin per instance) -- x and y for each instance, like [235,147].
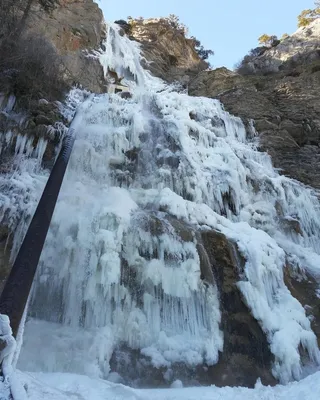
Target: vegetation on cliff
[248,65]
[174,22]
[29,67]
[307,16]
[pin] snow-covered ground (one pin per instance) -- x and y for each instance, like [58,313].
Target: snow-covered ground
[77,387]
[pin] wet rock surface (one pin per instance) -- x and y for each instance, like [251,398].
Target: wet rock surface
[246,355]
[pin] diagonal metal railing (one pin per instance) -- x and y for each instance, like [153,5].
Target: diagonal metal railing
[14,296]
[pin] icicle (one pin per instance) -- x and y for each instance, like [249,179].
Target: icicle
[40,149]
[107,274]
[10,103]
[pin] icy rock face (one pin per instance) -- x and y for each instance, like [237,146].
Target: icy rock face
[21,181]
[127,273]
[29,144]
[166,50]
[284,103]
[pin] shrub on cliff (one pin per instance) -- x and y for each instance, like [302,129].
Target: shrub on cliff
[175,22]
[202,52]
[308,16]
[48,5]
[270,41]
[30,69]
[245,67]
[284,36]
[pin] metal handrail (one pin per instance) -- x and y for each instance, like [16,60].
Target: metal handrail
[17,288]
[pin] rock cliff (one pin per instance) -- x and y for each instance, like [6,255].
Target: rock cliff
[282,95]
[168,53]
[76,29]
[300,48]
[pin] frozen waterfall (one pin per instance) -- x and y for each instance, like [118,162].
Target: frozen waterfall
[121,265]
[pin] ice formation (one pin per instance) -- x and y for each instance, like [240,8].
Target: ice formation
[22,178]
[9,383]
[115,269]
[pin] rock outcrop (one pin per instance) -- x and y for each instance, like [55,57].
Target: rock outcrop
[285,105]
[246,355]
[300,48]
[168,53]
[76,29]
[35,133]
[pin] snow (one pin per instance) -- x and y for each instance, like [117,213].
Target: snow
[76,387]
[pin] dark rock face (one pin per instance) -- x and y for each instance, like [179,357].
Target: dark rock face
[305,289]
[246,355]
[285,107]
[75,28]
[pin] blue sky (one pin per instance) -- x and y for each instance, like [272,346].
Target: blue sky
[229,27]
